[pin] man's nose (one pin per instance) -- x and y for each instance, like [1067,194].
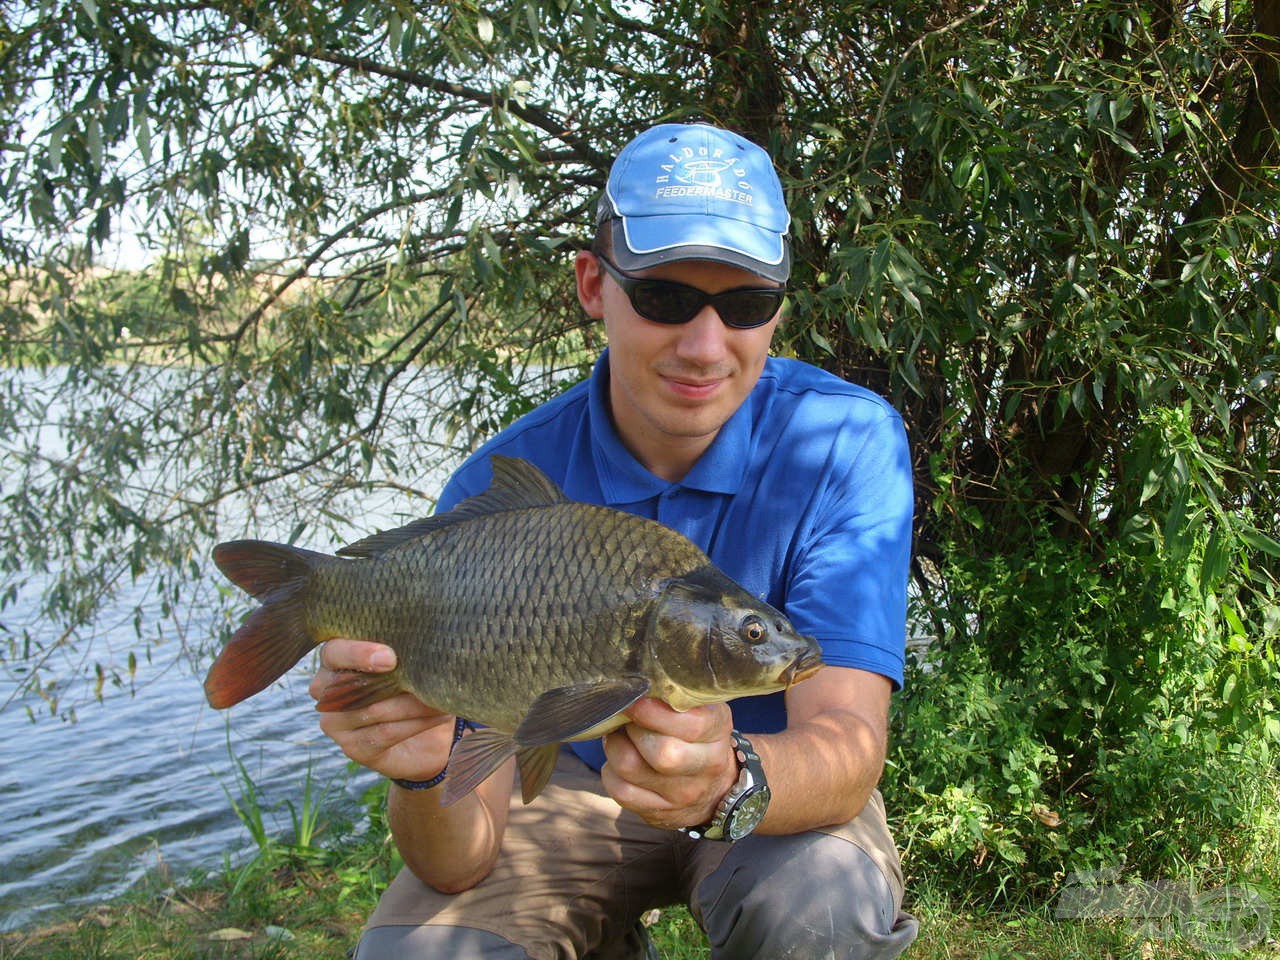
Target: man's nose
[703,339]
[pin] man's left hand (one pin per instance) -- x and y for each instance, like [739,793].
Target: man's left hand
[671,768]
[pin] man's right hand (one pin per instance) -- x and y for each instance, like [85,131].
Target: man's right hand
[450,848]
[397,737]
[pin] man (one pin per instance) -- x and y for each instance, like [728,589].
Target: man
[798,486]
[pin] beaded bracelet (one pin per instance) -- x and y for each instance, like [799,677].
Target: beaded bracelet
[460,726]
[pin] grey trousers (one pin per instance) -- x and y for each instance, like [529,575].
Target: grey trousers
[821,894]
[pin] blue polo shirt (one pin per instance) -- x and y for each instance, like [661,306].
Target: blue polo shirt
[804,498]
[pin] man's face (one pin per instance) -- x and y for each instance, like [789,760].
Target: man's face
[673,386]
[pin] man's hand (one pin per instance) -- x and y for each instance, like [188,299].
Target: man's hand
[671,768]
[397,737]
[450,848]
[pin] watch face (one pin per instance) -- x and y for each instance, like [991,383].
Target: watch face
[748,813]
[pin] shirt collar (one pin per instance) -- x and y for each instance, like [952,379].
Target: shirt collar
[623,479]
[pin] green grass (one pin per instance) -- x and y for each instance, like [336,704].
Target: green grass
[288,907]
[952,931]
[300,898]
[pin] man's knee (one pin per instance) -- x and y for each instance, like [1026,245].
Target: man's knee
[435,942]
[803,897]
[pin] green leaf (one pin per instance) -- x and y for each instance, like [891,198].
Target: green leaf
[1217,556]
[1260,541]
[902,281]
[879,261]
[142,133]
[1234,621]
[395,31]
[454,215]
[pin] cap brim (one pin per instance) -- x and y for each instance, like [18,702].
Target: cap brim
[643,242]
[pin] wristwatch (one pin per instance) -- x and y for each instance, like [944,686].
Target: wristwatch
[744,806]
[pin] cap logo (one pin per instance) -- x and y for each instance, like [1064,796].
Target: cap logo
[703,173]
[695,192]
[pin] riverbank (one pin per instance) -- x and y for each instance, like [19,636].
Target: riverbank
[295,901]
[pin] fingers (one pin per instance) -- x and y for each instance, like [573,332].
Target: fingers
[368,735]
[706,724]
[398,737]
[653,807]
[399,708]
[671,768]
[368,745]
[364,655]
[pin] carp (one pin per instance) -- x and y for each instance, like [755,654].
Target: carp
[535,616]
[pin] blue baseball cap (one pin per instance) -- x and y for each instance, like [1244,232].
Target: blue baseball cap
[696,192]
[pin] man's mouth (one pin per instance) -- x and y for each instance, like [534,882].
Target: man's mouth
[693,389]
[691,386]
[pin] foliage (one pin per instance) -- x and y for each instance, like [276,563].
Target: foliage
[1134,720]
[1047,231]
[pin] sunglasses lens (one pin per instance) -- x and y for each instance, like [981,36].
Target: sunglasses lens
[666,302]
[749,308]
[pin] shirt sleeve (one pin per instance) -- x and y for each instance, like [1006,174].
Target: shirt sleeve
[848,587]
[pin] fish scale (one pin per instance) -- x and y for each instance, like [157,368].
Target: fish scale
[539,617]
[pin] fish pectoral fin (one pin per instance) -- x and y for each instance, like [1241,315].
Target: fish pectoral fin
[355,690]
[557,715]
[536,766]
[565,712]
[474,760]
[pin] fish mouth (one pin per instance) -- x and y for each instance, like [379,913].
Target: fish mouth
[802,667]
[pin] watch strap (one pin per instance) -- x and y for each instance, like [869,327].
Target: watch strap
[751,780]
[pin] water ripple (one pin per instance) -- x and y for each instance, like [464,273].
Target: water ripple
[88,809]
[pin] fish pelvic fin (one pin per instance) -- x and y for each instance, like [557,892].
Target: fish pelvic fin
[274,637]
[517,485]
[476,758]
[355,690]
[559,714]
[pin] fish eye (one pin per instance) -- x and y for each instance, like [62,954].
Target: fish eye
[753,630]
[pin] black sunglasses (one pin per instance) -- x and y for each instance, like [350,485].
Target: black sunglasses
[665,301]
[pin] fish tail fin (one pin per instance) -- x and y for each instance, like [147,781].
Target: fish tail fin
[259,566]
[275,636]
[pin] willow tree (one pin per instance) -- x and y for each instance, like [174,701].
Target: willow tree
[1047,231]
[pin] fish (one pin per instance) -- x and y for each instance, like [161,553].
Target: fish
[538,618]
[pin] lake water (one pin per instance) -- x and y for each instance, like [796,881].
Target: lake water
[138,786]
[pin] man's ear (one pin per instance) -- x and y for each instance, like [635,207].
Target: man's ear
[590,283]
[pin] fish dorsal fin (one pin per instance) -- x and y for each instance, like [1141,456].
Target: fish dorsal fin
[517,485]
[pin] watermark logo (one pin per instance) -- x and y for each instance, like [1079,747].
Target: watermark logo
[1226,919]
